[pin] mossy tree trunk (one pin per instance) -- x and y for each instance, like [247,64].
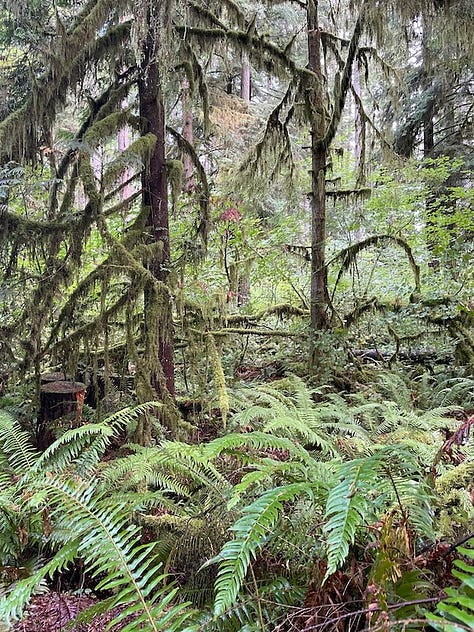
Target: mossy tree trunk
[158,326]
[316,108]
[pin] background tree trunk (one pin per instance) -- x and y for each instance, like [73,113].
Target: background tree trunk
[188,135]
[245,77]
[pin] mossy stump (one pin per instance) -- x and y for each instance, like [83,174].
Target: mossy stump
[61,404]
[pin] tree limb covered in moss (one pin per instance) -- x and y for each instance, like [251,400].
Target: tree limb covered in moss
[361,192]
[263,53]
[19,130]
[254,332]
[284,309]
[86,332]
[348,255]
[24,230]
[341,89]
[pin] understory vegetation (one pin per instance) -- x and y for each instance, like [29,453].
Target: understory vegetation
[236,316]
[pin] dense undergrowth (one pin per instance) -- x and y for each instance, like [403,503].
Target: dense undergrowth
[311,510]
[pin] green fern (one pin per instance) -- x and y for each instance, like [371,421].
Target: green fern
[456,612]
[348,507]
[15,445]
[455,391]
[368,487]
[251,531]
[287,408]
[99,531]
[87,523]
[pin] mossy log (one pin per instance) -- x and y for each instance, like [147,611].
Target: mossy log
[58,401]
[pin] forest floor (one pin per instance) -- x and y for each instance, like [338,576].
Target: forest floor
[53,611]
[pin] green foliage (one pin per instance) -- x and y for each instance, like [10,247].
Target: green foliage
[98,529]
[78,520]
[255,527]
[288,408]
[455,613]
[367,488]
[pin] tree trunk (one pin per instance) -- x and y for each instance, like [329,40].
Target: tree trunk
[315,96]
[243,287]
[245,77]
[360,133]
[158,326]
[123,141]
[428,147]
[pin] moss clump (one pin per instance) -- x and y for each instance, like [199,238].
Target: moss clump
[219,378]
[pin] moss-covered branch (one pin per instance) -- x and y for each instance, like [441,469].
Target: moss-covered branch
[347,256]
[361,192]
[20,131]
[284,309]
[254,332]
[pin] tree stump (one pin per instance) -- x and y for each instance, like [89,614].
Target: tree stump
[56,376]
[61,404]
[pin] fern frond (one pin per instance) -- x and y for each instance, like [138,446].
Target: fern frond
[266,472]
[251,530]
[111,546]
[456,612]
[86,443]
[12,606]
[409,494]
[16,445]
[458,391]
[237,442]
[348,507]
[287,408]
[142,470]
[121,419]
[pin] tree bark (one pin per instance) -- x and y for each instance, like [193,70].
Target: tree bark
[157,322]
[245,77]
[315,96]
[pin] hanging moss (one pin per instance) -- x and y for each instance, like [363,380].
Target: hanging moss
[359,193]
[219,378]
[89,183]
[26,230]
[138,152]
[347,256]
[274,150]
[149,253]
[175,173]
[104,128]
[204,193]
